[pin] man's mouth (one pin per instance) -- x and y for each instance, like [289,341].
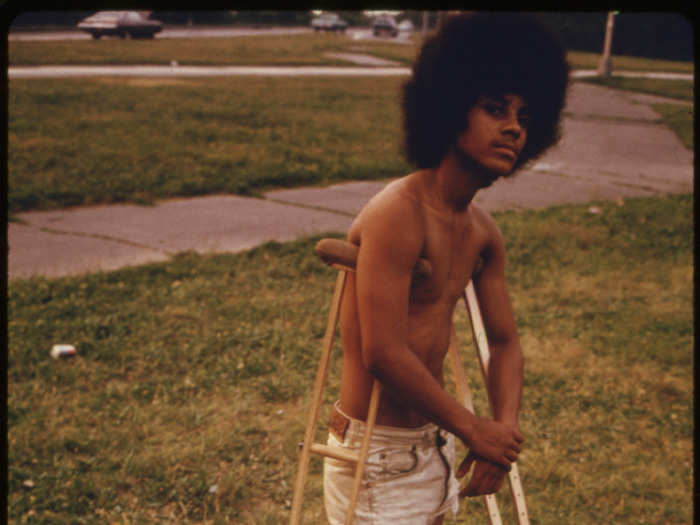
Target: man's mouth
[508,149]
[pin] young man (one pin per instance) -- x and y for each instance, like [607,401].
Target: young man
[485,97]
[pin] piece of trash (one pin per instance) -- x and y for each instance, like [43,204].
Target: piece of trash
[28,483]
[280,412]
[213,489]
[62,350]
[620,201]
[173,63]
[594,210]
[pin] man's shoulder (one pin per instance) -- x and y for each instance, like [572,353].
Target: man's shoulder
[483,217]
[396,206]
[488,226]
[400,196]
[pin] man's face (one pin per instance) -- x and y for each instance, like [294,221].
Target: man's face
[495,134]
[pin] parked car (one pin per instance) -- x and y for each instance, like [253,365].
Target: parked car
[385,25]
[120,23]
[329,22]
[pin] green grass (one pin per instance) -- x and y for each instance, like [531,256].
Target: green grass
[85,141]
[583,60]
[679,89]
[304,49]
[680,119]
[197,372]
[108,140]
[298,50]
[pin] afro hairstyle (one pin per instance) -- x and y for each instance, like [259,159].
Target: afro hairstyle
[483,54]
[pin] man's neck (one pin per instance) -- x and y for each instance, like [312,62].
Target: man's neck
[456,183]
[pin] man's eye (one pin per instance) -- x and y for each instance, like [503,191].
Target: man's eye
[495,109]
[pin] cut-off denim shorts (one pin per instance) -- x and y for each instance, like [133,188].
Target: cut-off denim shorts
[408,478]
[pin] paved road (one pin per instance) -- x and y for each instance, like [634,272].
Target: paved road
[613,147]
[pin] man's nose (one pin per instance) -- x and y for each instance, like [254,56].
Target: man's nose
[513,127]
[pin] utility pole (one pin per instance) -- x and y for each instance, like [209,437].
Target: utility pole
[605,66]
[440,19]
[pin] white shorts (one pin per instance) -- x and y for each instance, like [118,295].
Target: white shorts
[408,479]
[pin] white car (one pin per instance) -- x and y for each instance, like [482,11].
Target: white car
[329,22]
[120,23]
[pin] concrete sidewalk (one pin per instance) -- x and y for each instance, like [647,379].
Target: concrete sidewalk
[614,146]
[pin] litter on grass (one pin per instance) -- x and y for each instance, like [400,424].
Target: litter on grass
[62,350]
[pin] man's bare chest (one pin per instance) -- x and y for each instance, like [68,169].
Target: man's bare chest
[453,249]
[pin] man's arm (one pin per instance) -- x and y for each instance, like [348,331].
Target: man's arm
[506,360]
[505,376]
[390,245]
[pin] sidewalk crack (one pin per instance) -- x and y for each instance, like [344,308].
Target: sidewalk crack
[101,237]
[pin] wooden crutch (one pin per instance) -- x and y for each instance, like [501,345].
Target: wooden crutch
[483,354]
[341,255]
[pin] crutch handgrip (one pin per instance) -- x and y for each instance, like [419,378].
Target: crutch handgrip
[343,255]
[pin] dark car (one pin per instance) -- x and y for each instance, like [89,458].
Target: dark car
[385,25]
[120,23]
[329,22]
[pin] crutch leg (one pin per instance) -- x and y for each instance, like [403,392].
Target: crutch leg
[364,449]
[482,346]
[319,383]
[342,256]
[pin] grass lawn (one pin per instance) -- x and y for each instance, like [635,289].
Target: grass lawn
[678,89]
[302,49]
[82,141]
[192,382]
[297,50]
[101,140]
[680,120]
[583,60]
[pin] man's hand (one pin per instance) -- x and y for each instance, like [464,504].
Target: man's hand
[495,442]
[486,479]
